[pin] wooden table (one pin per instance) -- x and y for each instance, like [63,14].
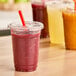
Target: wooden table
[54,60]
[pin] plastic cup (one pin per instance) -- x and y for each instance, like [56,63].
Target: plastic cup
[25,41]
[39,11]
[55,22]
[69,19]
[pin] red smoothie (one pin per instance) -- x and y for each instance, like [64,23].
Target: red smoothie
[25,50]
[40,14]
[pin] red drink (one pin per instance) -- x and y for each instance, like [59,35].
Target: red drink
[26,46]
[40,14]
[25,49]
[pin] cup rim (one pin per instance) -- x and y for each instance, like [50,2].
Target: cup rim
[70,10]
[30,25]
[60,4]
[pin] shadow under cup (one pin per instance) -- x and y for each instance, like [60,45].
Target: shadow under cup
[69,19]
[25,41]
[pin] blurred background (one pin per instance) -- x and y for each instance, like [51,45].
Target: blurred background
[9,13]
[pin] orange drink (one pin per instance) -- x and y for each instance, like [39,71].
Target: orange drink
[69,19]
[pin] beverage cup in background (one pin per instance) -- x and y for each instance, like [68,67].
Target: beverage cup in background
[39,10]
[69,19]
[55,22]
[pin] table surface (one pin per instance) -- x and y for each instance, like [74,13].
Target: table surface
[54,60]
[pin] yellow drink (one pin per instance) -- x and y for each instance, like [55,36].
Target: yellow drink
[55,20]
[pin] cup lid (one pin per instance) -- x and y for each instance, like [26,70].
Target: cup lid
[60,4]
[30,26]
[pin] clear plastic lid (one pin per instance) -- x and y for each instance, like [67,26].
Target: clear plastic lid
[30,26]
[60,4]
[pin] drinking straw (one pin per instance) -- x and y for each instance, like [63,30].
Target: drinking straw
[22,18]
[74,4]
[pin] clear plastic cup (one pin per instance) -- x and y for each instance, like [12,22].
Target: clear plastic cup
[25,41]
[69,19]
[55,22]
[39,11]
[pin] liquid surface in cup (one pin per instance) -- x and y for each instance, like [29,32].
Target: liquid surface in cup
[25,49]
[55,21]
[69,18]
[40,14]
